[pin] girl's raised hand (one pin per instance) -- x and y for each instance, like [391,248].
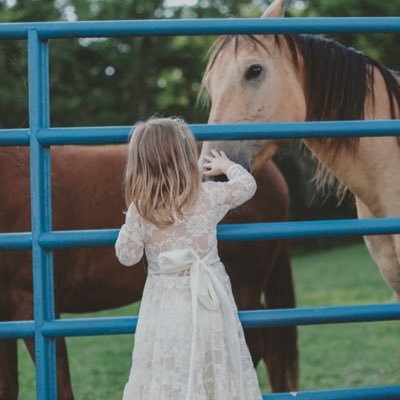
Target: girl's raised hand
[218,163]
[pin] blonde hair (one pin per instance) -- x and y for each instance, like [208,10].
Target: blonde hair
[162,176]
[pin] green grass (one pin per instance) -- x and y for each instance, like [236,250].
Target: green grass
[331,356]
[345,355]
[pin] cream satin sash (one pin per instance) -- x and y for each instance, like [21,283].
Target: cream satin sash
[208,290]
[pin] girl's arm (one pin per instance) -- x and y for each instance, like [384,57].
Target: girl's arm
[240,187]
[129,245]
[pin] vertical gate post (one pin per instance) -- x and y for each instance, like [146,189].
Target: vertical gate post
[41,219]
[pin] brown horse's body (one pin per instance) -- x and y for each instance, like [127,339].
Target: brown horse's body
[86,191]
[271,78]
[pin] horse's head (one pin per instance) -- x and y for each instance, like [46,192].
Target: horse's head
[253,79]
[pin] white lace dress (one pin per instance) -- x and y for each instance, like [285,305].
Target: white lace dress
[189,343]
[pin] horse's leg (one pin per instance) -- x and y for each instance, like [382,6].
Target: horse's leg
[396,242]
[254,339]
[8,370]
[385,251]
[64,386]
[23,310]
[8,348]
[397,248]
[247,298]
[63,376]
[281,353]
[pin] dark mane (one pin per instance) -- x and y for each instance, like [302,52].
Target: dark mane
[338,79]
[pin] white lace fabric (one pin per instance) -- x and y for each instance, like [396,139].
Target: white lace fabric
[163,340]
[197,230]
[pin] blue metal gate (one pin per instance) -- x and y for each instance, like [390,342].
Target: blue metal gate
[42,240]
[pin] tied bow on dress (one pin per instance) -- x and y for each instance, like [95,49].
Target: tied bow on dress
[208,290]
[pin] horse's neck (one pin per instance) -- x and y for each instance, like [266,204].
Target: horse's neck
[371,174]
[371,171]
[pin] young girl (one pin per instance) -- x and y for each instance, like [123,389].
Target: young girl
[189,343]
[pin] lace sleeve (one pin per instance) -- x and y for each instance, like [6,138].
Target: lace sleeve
[240,188]
[129,244]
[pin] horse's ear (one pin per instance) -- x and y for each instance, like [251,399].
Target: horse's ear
[275,10]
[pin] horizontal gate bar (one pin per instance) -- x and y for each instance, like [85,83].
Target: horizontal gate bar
[65,239]
[365,393]
[249,319]
[320,315]
[270,130]
[309,229]
[15,241]
[14,137]
[255,131]
[253,231]
[168,27]
[90,326]
[17,329]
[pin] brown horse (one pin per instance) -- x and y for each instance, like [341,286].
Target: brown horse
[86,194]
[262,78]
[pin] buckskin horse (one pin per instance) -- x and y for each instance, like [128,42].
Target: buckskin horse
[87,194]
[272,78]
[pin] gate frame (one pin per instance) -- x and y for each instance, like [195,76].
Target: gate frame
[43,240]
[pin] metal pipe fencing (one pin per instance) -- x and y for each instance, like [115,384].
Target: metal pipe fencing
[42,240]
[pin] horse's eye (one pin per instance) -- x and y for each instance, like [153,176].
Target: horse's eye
[254,71]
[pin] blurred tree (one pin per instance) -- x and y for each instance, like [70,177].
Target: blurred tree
[378,46]
[120,80]
[13,60]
